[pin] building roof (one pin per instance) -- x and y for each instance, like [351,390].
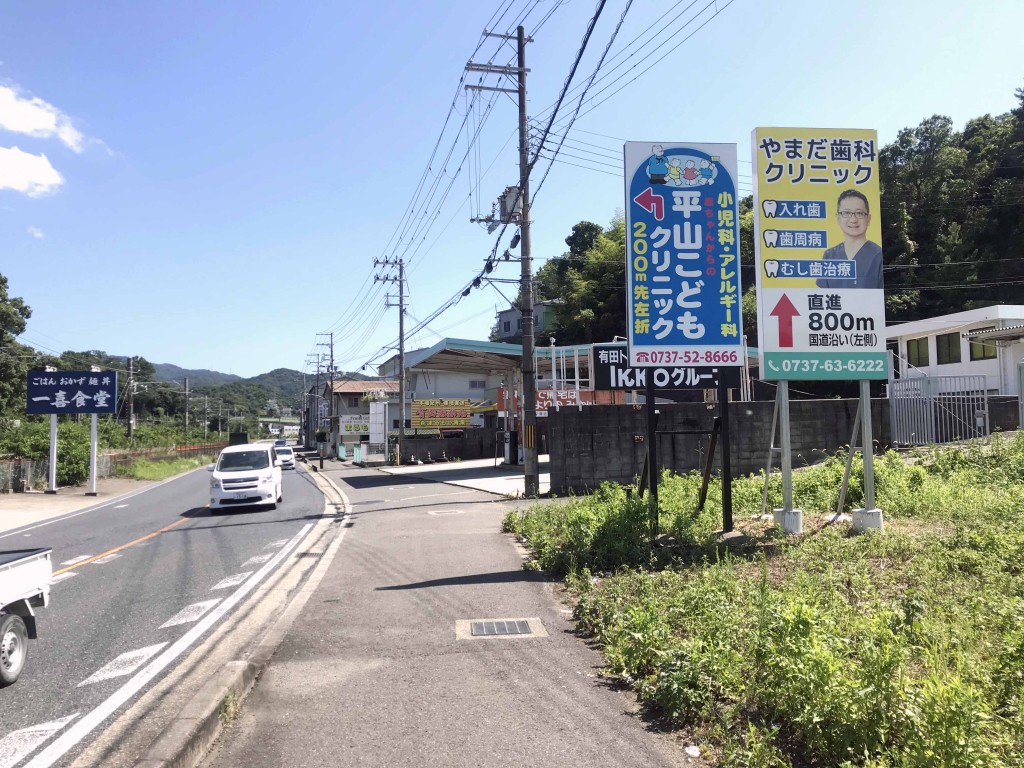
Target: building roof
[957,320]
[1007,333]
[347,387]
[465,356]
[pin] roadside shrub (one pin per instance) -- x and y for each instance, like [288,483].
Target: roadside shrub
[754,748]
[901,649]
[601,532]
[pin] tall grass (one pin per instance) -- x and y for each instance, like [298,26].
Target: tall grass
[903,648]
[161,470]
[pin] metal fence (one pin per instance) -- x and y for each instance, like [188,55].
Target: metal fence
[28,474]
[938,409]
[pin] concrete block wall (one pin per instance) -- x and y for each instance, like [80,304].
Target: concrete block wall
[608,442]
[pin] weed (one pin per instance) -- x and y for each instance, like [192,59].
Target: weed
[896,650]
[229,707]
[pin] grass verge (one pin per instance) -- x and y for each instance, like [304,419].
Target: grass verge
[903,648]
[161,470]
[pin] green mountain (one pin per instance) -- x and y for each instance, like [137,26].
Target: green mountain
[197,377]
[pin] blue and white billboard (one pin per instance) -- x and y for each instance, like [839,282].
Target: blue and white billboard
[72,392]
[682,255]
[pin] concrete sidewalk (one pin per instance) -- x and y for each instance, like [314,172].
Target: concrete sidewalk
[382,668]
[480,474]
[21,509]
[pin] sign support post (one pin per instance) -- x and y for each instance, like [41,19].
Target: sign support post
[93,448]
[789,519]
[723,409]
[93,445]
[652,457]
[867,516]
[51,484]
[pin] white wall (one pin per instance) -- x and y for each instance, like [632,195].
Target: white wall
[999,373]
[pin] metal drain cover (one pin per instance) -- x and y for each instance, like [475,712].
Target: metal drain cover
[499,629]
[492,628]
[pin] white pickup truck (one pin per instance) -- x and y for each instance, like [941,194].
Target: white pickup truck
[25,576]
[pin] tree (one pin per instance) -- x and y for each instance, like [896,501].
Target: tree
[592,286]
[15,359]
[551,280]
[952,229]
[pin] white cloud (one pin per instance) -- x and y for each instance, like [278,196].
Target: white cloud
[36,232]
[35,117]
[29,174]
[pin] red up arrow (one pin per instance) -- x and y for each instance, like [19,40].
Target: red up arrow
[651,203]
[785,311]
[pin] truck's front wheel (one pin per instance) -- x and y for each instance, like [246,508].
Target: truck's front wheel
[13,648]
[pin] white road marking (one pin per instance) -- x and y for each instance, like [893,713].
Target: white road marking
[276,544]
[231,581]
[83,727]
[120,506]
[76,560]
[190,613]
[106,559]
[257,560]
[18,744]
[62,577]
[124,664]
[443,512]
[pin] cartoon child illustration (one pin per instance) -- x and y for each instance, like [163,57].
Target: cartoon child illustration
[675,172]
[657,166]
[708,171]
[690,174]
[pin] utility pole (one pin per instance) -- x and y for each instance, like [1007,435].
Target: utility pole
[330,379]
[186,409]
[401,342]
[131,397]
[522,203]
[532,468]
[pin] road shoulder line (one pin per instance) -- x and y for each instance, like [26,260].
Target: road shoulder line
[187,738]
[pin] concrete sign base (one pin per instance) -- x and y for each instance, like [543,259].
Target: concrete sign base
[790,521]
[865,519]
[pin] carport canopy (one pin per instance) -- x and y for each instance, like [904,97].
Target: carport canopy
[465,356]
[1009,334]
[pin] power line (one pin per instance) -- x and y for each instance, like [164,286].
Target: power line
[569,77]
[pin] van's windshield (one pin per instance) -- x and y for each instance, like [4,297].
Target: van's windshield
[243,460]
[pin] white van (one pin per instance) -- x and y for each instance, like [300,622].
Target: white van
[248,474]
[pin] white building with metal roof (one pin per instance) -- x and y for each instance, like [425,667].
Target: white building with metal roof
[985,342]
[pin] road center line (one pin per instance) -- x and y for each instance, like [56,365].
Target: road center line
[83,727]
[123,546]
[94,508]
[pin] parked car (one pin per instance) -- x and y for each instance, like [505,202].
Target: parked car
[287,457]
[25,577]
[246,475]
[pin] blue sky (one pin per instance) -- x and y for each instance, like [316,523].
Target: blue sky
[208,184]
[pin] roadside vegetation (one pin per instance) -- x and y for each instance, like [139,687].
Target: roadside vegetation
[31,440]
[145,469]
[898,649]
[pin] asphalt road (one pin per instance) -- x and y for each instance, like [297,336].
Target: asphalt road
[135,582]
[381,669]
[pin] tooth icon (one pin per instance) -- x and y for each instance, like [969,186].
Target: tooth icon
[771,268]
[771,237]
[769,207]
